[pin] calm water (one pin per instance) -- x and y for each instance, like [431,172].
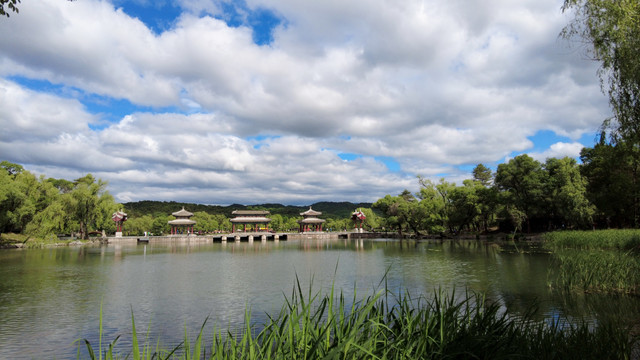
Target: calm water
[51,297]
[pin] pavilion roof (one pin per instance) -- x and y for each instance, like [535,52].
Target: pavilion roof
[250,219]
[311,212]
[311,221]
[182,213]
[181,222]
[250,212]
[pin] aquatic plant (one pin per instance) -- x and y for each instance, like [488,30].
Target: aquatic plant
[388,326]
[618,239]
[595,271]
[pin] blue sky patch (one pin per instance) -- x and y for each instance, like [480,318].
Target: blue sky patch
[262,21]
[349,156]
[107,108]
[260,140]
[159,16]
[543,140]
[390,162]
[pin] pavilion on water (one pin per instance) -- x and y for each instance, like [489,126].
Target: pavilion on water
[182,224]
[310,221]
[257,220]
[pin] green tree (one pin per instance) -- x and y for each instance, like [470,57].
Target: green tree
[89,202]
[466,206]
[483,175]
[11,168]
[205,222]
[160,225]
[29,195]
[612,30]
[51,221]
[403,212]
[432,203]
[277,222]
[567,190]
[612,172]
[138,225]
[372,221]
[223,223]
[523,181]
[64,186]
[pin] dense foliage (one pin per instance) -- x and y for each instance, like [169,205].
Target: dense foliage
[44,207]
[523,195]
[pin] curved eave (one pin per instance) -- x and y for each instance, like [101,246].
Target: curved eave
[311,221]
[250,219]
[182,213]
[182,222]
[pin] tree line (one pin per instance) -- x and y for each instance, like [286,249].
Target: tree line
[43,207]
[525,195]
[47,207]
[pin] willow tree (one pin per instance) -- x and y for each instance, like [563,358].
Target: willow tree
[90,204]
[611,31]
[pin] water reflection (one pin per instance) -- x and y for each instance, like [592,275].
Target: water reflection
[54,295]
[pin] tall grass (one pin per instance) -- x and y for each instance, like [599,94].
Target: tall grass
[615,239]
[595,271]
[388,326]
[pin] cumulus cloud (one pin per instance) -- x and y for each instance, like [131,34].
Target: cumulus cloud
[559,150]
[431,84]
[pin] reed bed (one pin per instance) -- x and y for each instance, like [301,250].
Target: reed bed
[387,326]
[595,271]
[614,239]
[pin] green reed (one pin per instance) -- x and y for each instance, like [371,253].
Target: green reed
[595,271]
[614,239]
[388,326]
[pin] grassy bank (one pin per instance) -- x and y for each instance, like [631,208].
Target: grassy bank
[614,239]
[12,241]
[392,327]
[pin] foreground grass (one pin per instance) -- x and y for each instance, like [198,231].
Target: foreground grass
[383,326]
[614,239]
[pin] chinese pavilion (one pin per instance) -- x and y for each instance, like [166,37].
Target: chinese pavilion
[310,221]
[182,224]
[253,218]
[358,218]
[119,217]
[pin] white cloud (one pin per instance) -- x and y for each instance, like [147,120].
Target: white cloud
[433,84]
[559,150]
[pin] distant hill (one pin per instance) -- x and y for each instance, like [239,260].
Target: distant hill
[334,210]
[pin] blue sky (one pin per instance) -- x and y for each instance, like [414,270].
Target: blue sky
[223,102]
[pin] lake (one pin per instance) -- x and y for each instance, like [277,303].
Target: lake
[51,297]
